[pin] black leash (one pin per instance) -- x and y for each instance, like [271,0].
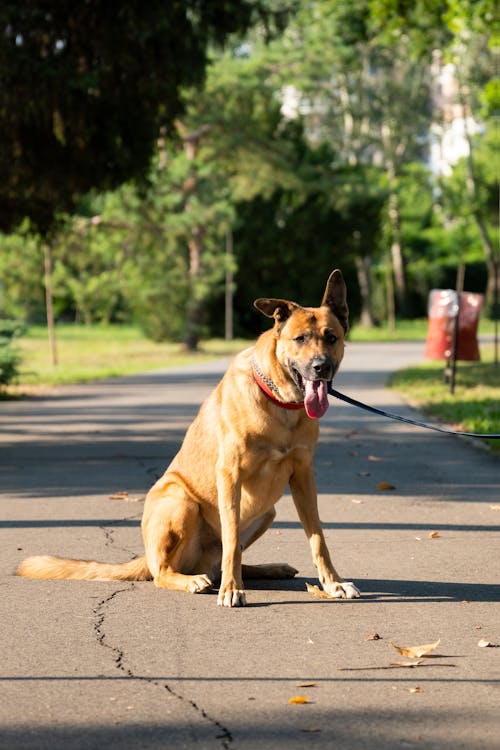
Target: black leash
[399,418]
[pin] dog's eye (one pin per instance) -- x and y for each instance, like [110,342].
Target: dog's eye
[331,338]
[300,339]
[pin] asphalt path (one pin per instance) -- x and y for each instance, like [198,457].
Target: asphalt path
[88,665]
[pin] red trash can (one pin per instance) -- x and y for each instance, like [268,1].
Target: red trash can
[443,309]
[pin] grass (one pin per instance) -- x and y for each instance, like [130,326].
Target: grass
[406,330]
[94,352]
[475,405]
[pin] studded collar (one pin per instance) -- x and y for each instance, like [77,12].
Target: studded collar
[270,388]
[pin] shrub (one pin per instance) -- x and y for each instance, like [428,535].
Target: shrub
[10,357]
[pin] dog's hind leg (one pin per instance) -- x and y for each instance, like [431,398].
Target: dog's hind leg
[267,570]
[171,540]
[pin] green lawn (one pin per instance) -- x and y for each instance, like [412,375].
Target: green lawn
[475,405]
[406,330]
[93,352]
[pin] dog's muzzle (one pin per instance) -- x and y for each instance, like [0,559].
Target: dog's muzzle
[313,381]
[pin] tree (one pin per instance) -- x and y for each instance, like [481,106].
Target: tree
[355,89]
[466,31]
[85,88]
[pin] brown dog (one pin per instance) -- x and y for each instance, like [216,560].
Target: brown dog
[256,433]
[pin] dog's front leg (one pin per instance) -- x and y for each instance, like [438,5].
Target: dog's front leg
[231,593]
[303,487]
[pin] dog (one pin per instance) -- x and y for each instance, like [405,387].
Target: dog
[254,435]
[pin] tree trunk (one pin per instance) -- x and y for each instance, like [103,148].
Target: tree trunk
[194,311]
[398,260]
[389,289]
[195,307]
[471,185]
[49,302]
[363,269]
[228,317]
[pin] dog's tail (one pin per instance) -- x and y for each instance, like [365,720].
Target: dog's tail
[46,566]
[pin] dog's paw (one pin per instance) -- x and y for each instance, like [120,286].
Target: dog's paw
[344,590]
[231,597]
[199,583]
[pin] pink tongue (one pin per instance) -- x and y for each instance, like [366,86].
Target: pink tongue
[316,400]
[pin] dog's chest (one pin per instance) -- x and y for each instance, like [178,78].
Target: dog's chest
[268,469]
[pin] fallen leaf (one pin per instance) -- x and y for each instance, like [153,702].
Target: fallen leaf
[374,458]
[297,699]
[416,652]
[126,496]
[495,507]
[385,486]
[409,664]
[307,684]
[118,496]
[414,690]
[311,731]
[483,643]
[418,538]
[433,535]
[373,637]
[317,592]
[358,502]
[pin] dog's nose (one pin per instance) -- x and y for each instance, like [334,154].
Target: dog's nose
[322,367]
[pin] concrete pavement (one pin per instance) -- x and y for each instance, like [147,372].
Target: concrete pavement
[123,665]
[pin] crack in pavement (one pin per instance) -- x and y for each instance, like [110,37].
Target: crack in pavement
[118,656]
[109,533]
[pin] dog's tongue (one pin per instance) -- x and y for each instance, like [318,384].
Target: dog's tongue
[316,400]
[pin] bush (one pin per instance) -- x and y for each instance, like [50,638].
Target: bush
[9,355]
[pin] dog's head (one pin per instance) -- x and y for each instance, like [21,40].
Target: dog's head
[310,341]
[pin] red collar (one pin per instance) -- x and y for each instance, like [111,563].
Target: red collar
[260,379]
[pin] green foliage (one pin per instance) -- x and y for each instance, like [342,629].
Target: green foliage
[21,275]
[10,357]
[301,139]
[85,88]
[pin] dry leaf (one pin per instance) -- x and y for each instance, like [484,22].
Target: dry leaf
[312,730]
[358,502]
[494,507]
[414,690]
[385,486]
[373,637]
[125,496]
[409,664]
[374,458]
[296,699]
[416,652]
[317,592]
[483,643]
[306,684]
[433,535]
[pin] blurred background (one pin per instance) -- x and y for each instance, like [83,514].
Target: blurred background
[165,163]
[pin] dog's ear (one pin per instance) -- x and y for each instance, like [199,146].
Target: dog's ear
[335,297]
[279,309]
